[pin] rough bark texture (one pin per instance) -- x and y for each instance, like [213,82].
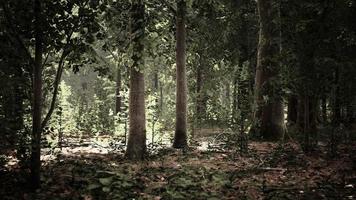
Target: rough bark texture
[180,136]
[136,147]
[37,100]
[269,112]
[307,120]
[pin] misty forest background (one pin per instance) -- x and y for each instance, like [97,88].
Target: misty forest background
[177,99]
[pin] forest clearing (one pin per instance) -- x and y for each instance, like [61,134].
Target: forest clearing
[177,99]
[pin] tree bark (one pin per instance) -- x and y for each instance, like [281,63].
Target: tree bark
[292,109]
[337,100]
[37,99]
[199,98]
[324,109]
[136,147]
[269,112]
[180,136]
[118,90]
[234,117]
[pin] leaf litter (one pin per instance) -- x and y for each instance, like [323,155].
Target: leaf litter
[267,171]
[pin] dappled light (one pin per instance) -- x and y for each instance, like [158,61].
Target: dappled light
[177,99]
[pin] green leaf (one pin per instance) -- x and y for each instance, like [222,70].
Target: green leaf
[106,181]
[93,186]
[106,189]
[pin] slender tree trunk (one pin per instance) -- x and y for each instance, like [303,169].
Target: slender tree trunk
[306,123]
[324,110]
[269,113]
[118,90]
[180,136]
[337,100]
[156,106]
[156,86]
[37,99]
[227,95]
[350,113]
[161,98]
[235,108]
[199,98]
[313,115]
[57,81]
[136,147]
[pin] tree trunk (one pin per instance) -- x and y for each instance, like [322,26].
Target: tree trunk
[199,98]
[37,99]
[292,109]
[324,109]
[118,90]
[269,112]
[180,136]
[156,86]
[227,95]
[161,98]
[136,147]
[337,100]
[350,113]
[313,116]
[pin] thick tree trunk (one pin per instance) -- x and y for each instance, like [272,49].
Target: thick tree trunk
[307,120]
[136,147]
[269,112]
[180,136]
[292,109]
[37,99]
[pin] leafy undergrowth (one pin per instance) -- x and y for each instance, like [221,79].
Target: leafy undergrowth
[268,171]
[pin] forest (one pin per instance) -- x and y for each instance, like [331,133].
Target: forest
[177,99]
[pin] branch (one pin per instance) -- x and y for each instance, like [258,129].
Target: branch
[65,53]
[170,8]
[46,59]
[56,86]
[113,55]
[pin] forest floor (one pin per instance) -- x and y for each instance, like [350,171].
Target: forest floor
[267,171]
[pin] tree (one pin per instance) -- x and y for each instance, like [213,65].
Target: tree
[118,90]
[37,98]
[136,147]
[180,136]
[269,112]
